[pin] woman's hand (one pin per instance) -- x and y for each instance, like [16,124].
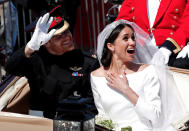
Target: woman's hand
[118,82]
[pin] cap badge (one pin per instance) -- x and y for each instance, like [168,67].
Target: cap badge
[56,20]
[75,68]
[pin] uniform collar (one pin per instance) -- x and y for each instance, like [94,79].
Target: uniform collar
[71,58]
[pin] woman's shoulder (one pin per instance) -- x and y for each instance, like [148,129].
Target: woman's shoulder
[142,67]
[98,72]
[146,68]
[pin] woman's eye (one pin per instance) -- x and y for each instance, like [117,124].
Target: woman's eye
[133,38]
[125,38]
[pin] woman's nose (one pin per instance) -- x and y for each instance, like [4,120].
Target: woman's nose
[132,42]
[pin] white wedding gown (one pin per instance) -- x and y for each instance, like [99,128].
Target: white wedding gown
[118,107]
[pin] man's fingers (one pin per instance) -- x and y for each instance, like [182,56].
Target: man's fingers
[182,54]
[49,22]
[45,18]
[39,21]
[50,34]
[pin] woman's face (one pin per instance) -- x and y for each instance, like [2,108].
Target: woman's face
[124,45]
[61,43]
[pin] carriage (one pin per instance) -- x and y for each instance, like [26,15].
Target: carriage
[14,106]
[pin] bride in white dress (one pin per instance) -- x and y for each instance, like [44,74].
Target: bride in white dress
[130,93]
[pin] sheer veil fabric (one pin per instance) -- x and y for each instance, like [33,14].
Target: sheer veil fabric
[172,106]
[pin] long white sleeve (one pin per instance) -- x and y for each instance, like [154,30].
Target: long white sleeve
[149,104]
[97,98]
[117,106]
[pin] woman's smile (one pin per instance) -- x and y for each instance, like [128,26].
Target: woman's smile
[131,51]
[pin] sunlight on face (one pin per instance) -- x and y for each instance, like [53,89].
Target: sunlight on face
[124,45]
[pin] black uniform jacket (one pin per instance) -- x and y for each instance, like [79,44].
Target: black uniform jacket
[53,78]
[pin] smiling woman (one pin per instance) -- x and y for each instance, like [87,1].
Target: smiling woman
[120,41]
[126,88]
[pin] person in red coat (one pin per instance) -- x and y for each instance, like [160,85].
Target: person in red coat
[166,21]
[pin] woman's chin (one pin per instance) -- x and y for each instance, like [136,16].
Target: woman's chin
[130,59]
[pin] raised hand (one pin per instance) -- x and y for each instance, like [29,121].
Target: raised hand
[41,35]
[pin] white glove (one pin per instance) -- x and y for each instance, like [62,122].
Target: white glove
[41,35]
[166,53]
[184,52]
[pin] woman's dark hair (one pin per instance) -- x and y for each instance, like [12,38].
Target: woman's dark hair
[107,54]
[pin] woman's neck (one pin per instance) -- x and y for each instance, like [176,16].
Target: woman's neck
[117,66]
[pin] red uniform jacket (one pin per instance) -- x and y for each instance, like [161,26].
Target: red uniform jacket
[172,20]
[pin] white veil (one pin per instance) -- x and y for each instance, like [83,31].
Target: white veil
[172,107]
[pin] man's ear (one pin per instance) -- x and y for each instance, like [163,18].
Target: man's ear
[110,47]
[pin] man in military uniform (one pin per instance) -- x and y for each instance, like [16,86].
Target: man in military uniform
[166,21]
[55,70]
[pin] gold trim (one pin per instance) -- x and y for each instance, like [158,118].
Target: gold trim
[62,29]
[175,44]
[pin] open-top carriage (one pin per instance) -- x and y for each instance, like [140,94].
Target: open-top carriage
[14,104]
[14,98]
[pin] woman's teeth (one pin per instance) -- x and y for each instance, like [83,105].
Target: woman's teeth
[130,51]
